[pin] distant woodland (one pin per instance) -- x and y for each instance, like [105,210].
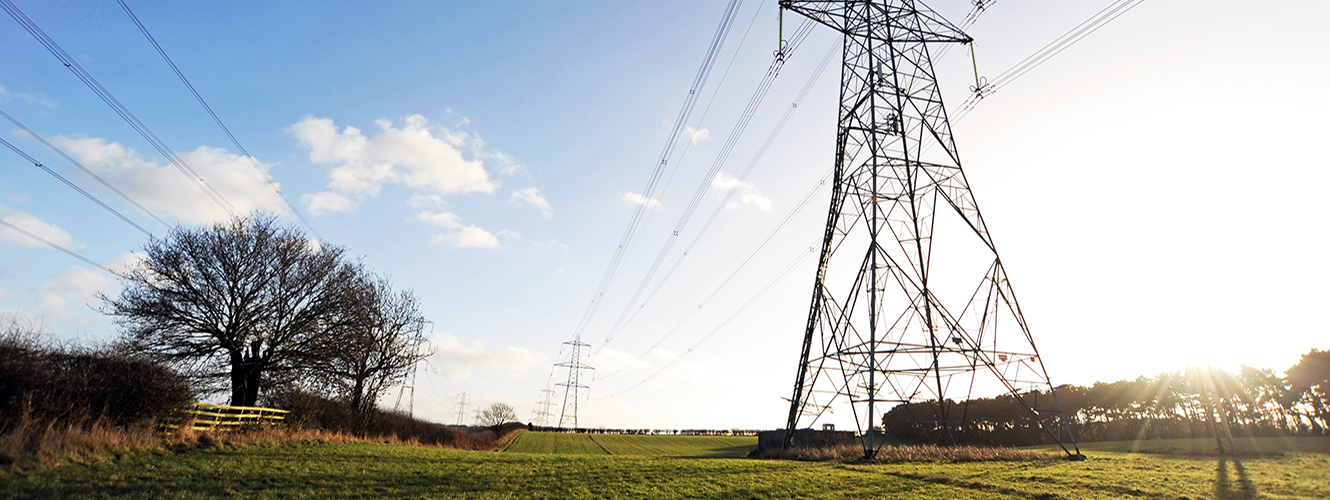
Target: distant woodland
[1195,403]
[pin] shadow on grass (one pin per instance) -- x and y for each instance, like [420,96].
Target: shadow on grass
[1224,487]
[739,451]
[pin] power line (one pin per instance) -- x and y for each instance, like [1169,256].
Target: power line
[1061,43]
[86,171]
[115,105]
[979,8]
[704,186]
[59,247]
[701,119]
[794,264]
[771,137]
[252,161]
[729,278]
[94,199]
[616,261]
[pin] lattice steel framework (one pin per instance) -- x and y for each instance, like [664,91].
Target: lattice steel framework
[879,332]
[573,387]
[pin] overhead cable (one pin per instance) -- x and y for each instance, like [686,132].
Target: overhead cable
[67,182]
[789,268]
[1061,43]
[59,247]
[702,231]
[119,108]
[86,171]
[705,185]
[694,91]
[252,161]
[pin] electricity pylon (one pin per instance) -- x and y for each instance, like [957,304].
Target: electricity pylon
[542,413]
[573,387]
[882,328]
[461,406]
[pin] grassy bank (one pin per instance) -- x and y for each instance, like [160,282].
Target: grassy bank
[638,445]
[364,470]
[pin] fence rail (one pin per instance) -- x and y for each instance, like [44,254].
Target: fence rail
[208,417]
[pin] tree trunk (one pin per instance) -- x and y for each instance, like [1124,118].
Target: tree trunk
[245,376]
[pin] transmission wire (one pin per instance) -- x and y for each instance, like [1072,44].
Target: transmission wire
[86,171]
[59,247]
[704,186]
[730,194]
[115,105]
[252,161]
[1059,44]
[752,300]
[616,261]
[67,182]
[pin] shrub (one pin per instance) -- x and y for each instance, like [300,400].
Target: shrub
[311,411]
[44,383]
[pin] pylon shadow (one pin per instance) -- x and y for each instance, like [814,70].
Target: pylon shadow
[1225,489]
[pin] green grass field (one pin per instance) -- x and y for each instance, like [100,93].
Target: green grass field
[383,470]
[639,445]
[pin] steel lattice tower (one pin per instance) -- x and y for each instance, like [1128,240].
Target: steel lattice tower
[573,387]
[882,331]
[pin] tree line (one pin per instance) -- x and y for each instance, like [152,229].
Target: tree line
[250,305]
[1199,402]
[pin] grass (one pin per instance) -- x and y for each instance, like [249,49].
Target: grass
[365,470]
[634,445]
[1206,446]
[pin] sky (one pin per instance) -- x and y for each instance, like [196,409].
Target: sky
[1155,191]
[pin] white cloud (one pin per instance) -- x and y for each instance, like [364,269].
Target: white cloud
[468,237]
[637,199]
[531,197]
[31,224]
[458,235]
[68,294]
[749,196]
[449,350]
[425,201]
[162,188]
[326,202]
[37,98]
[696,135]
[415,154]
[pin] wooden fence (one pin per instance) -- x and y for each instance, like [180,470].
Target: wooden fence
[206,417]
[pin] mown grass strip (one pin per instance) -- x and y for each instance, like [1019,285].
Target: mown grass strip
[369,470]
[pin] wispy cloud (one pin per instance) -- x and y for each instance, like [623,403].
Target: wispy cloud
[696,135]
[749,196]
[637,199]
[531,197]
[36,98]
[45,230]
[456,233]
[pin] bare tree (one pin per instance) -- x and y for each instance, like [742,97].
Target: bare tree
[497,414]
[248,295]
[376,346]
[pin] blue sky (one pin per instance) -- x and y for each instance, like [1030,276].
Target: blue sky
[1154,190]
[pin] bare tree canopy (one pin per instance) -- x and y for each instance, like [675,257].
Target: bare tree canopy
[249,294]
[497,414]
[377,344]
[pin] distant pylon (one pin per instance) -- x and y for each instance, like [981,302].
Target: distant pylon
[544,410]
[461,407]
[573,387]
[883,329]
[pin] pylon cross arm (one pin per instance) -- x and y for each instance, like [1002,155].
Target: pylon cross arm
[890,21]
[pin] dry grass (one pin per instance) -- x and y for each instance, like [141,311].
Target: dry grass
[33,444]
[912,453]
